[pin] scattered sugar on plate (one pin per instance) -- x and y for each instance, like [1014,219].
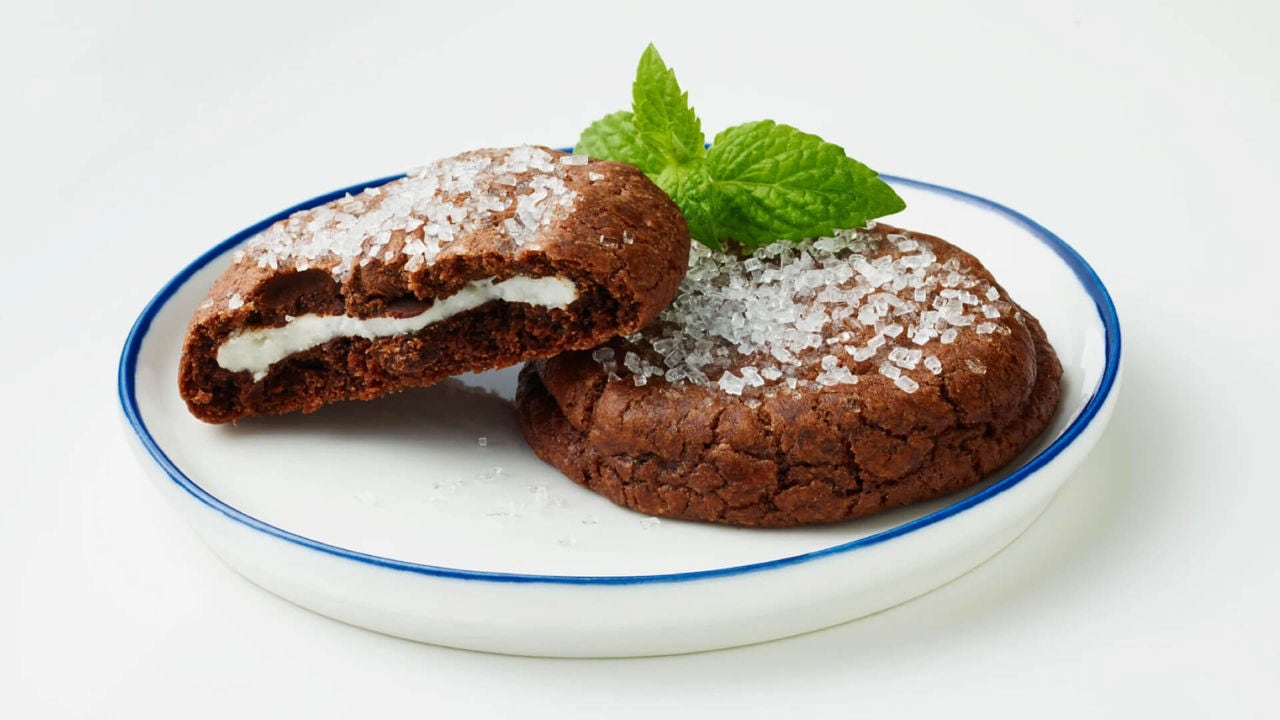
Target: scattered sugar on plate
[541,496]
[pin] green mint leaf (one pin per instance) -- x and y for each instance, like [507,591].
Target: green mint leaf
[760,182]
[662,116]
[692,190]
[774,182]
[614,137]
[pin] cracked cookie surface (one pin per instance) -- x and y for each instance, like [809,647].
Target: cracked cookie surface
[812,440]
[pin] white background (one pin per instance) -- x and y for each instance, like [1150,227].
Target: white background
[134,136]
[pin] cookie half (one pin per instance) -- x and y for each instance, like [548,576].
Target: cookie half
[475,262]
[809,383]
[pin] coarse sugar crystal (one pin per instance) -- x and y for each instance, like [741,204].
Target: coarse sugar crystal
[421,214]
[906,384]
[782,318]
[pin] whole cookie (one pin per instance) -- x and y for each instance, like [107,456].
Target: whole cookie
[474,262]
[809,383]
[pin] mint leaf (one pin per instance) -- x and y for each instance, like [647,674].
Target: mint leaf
[662,116]
[775,182]
[692,189]
[614,137]
[760,182]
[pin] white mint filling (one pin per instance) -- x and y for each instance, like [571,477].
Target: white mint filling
[256,350]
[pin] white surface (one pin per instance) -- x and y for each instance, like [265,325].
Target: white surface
[408,480]
[133,137]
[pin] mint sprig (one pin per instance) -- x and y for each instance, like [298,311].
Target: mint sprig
[661,113]
[613,137]
[759,182]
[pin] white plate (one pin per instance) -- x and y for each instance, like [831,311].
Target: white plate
[396,516]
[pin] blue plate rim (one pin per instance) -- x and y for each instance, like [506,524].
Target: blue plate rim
[127,393]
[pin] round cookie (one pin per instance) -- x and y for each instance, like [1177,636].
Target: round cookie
[809,383]
[473,262]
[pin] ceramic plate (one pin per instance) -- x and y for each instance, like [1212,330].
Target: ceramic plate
[426,516]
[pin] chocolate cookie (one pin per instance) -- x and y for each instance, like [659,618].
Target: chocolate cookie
[474,262]
[809,383]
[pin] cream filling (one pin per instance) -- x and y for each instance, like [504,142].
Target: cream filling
[257,349]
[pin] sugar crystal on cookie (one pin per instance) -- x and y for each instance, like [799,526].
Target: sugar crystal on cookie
[418,216]
[814,314]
